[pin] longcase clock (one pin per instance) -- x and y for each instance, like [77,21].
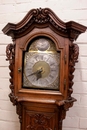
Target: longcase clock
[41,62]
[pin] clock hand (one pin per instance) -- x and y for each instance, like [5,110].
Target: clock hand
[32,73]
[37,73]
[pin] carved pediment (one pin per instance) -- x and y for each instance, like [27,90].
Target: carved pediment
[42,18]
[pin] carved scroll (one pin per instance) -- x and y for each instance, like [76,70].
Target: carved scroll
[10,53]
[73,56]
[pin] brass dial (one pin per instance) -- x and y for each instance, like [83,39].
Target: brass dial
[42,44]
[41,69]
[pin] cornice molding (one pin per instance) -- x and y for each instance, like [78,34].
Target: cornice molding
[42,18]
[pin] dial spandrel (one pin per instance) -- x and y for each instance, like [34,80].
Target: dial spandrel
[41,67]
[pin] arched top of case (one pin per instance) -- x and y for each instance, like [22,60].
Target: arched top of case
[43,18]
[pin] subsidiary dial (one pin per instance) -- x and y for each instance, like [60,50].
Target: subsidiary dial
[42,44]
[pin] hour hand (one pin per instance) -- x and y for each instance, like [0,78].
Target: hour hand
[37,73]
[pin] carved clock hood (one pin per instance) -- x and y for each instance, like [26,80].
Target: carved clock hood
[42,109]
[42,18]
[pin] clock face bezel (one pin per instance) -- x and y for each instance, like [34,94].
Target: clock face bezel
[43,49]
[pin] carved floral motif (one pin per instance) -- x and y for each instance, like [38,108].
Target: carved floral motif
[10,53]
[40,15]
[39,122]
[73,56]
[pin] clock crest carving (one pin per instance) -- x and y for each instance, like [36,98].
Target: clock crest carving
[42,60]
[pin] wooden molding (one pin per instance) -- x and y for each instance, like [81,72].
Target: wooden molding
[42,18]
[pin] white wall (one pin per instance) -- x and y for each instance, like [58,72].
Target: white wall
[14,11]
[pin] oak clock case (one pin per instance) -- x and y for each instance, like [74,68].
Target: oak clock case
[41,65]
[42,61]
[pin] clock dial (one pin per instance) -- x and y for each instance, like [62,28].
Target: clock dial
[41,69]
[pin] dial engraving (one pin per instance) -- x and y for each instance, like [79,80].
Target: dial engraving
[42,44]
[41,65]
[41,72]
